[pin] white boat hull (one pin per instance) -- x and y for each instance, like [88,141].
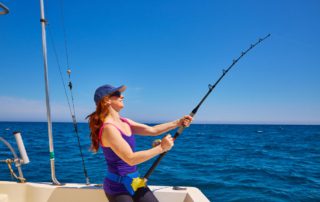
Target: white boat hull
[45,192]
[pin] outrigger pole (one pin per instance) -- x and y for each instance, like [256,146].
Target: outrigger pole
[194,111]
[44,51]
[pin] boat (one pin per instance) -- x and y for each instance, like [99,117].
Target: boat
[47,192]
[22,191]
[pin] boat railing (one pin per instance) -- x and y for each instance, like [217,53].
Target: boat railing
[16,160]
[3,9]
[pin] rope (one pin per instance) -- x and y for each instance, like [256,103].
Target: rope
[9,162]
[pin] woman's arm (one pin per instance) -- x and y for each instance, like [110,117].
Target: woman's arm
[112,138]
[142,129]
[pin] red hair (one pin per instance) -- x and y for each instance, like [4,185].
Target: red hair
[96,120]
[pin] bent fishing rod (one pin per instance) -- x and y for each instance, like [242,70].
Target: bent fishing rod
[194,111]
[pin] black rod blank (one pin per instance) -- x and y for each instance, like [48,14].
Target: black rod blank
[194,111]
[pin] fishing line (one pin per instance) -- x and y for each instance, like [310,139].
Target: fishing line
[194,111]
[71,109]
[64,33]
[59,68]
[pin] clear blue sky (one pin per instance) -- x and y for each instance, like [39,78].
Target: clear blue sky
[166,52]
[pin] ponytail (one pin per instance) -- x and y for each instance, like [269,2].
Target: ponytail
[96,120]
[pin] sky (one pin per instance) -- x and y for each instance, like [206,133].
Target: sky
[166,53]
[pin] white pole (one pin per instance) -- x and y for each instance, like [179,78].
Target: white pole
[22,149]
[44,51]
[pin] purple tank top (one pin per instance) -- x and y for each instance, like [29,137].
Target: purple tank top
[115,164]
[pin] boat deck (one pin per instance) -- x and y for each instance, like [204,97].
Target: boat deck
[46,192]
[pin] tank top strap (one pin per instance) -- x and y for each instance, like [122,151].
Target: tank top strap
[122,133]
[101,129]
[125,120]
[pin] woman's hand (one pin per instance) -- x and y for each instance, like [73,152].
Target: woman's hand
[185,121]
[167,143]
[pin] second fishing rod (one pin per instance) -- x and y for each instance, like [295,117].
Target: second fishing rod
[194,111]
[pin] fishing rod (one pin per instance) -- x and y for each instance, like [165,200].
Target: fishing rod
[72,110]
[5,10]
[194,111]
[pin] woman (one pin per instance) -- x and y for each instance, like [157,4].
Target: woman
[115,136]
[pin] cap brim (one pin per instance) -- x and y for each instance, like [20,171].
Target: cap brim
[120,89]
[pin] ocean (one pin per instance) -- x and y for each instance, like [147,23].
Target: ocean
[226,162]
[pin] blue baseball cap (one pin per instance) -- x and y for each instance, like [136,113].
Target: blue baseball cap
[105,90]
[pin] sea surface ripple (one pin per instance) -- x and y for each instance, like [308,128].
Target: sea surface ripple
[226,162]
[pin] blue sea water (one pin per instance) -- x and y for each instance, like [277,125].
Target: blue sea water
[227,162]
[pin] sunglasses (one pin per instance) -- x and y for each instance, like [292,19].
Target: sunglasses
[116,94]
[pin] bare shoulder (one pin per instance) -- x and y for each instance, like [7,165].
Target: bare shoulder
[110,131]
[110,135]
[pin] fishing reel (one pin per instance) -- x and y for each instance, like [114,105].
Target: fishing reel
[156,142]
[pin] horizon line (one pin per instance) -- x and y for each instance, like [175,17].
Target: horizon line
[196,123]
